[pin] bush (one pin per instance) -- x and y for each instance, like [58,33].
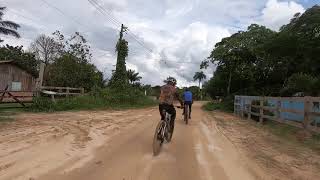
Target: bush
[97,99]
[226,105]
[300,82]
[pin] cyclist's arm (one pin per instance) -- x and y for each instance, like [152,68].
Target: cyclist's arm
[178,98]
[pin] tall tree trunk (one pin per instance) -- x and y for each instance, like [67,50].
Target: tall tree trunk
[229,83]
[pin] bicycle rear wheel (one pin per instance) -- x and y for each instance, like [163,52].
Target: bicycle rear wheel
[186,113]
[158,138]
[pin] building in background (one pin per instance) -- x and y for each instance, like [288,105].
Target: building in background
[15,77]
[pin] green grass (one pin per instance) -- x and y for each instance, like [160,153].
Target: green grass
[222,106]
[6,116]
[106,99]
[292,134]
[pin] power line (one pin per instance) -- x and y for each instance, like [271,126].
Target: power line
[64,14]
[109,15]
[100,9]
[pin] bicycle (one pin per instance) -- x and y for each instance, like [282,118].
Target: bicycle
[163,132]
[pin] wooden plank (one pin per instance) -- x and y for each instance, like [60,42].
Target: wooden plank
[264,107]
[67,94]
[63,88]
[269,117]
[2,96]
[307,109]
[261,111]
[255,114]
[16,99]
[291,111]
[314,113]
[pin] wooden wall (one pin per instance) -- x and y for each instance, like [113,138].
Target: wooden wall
[10,73]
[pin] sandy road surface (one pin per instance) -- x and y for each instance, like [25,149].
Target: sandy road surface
[117,145]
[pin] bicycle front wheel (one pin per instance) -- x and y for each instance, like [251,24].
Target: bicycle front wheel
[158,138]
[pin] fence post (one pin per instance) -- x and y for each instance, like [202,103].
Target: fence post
[82,90]
[249,110]
[242,107]
[234,105]
[67,91]
[261,111]
[278,112]
[307,109]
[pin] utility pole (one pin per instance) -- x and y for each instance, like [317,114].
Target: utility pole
[123,29]
[119,76]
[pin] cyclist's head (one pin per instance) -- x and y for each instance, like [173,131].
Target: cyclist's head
[171,80]
[187,89]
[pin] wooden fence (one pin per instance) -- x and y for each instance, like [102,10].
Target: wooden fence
[302,112]
[61,91]
[22,97]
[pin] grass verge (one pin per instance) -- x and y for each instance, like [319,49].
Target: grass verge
[222,106]
[106,99]
[293,134]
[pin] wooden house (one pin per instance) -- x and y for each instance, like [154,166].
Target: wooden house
[15,77]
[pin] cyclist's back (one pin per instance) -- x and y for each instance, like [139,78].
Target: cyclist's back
[188,100]
[167,96]
[187,96]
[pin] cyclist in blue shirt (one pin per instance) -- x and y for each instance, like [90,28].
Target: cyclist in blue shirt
[188,99]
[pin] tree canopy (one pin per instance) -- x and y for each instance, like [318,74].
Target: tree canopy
[260,61]
[8,27]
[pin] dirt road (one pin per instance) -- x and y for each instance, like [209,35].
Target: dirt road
[115,145]
[118,145]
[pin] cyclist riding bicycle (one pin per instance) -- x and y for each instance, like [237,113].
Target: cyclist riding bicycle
[167,96]
[188,100]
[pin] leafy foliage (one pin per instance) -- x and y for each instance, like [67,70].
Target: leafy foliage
[199,76]
[8,27]
[24,60]
[46,48]
[119,79]
[133,76]
[71,65]
[260,61]
[97,99]
[70,71]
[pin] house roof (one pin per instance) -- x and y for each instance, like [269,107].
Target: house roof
[21,67]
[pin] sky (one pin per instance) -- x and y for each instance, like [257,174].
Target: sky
[166,37]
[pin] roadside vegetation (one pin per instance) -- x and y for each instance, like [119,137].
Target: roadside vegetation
[263,62]
[293,134]
[102,99]
[225,105]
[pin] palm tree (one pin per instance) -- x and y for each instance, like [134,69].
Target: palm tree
[133,76]
[8,27]
[199,76]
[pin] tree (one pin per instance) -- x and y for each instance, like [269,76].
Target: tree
[73,68]
[301,82]
[8,27]
[133,76]
[199,76]
[70,71]
[21,58]
[46,48]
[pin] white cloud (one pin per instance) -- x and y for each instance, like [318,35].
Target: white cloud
[176,30]
[276,13]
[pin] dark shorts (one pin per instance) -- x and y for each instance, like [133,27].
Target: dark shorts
[169,108]
[190,105]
